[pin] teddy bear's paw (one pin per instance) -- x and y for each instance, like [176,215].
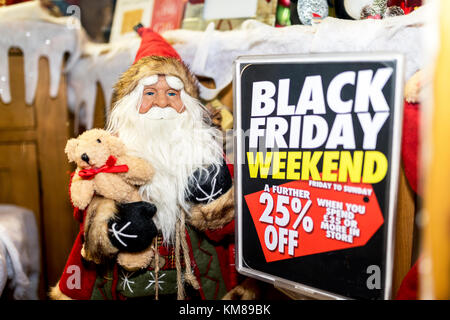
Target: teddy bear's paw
[140,171]
[133,261]
[112,186]
[81,193]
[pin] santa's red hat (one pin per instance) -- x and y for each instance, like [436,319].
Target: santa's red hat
[155,56]
[152,44]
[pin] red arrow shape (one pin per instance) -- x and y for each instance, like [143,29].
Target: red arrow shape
[340,216]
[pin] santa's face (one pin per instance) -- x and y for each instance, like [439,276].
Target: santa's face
[158,96]
[158,121]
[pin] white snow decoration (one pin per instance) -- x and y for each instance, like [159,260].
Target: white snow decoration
[99,63]
[37,34]
[399,34]
[221,48]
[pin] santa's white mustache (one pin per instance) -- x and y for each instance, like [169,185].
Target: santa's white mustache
[158,113]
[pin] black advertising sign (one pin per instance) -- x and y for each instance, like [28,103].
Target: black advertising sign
[317,160]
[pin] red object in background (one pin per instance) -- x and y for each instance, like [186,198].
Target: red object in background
[407,5]
[284,3]
[409,288]
[167,15]
[152,44]
[8,2]
[75,264]
[411,142]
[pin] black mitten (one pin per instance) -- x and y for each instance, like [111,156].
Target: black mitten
[207,185]
[132,230]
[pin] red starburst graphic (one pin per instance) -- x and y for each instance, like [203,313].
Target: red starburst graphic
[301,218]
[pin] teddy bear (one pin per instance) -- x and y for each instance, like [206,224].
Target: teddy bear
[107,177]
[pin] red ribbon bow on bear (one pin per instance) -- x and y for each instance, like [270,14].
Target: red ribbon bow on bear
[109,167]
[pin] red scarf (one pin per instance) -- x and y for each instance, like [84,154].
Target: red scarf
[109,167]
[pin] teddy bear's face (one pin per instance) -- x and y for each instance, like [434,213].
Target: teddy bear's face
[93,148]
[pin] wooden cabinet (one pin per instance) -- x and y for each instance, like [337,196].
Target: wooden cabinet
[19,175]
[34,171]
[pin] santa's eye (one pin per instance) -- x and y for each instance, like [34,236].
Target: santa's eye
[149,93]
[172,94]
[99,141]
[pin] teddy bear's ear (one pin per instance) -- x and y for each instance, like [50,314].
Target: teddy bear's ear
[70,149]
[116,146]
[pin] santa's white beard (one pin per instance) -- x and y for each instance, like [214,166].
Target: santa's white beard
[176,147]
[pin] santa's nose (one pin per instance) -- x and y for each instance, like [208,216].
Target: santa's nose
[161,101]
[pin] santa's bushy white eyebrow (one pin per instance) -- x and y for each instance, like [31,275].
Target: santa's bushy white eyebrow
[174,82]
[148,81]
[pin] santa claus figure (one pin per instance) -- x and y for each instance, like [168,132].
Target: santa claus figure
[157,115]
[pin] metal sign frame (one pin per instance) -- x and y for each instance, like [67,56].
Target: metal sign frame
[238,68]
